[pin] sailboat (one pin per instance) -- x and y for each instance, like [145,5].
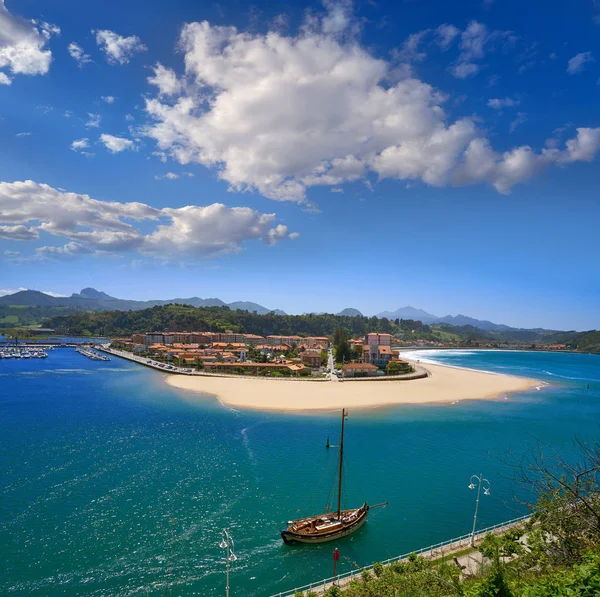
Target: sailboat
[331,525]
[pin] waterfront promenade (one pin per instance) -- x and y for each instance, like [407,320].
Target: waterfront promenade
[469,562]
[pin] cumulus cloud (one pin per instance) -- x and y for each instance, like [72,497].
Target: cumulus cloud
[5,79]
[109,99]
[116,144]
[578,62]
[18,232]
[118,49]
[168,176]
[28,209]
[277,114]
[76,52]
[22,45]
[500,104]
[166,80]
[517,165]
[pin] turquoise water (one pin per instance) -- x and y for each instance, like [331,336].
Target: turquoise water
[114,484]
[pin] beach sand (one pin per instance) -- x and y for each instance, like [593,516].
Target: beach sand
[445,384]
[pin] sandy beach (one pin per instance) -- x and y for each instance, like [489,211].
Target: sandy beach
[444,385]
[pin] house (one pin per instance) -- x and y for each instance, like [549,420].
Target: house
[316,342]
[360,370]
[312,358]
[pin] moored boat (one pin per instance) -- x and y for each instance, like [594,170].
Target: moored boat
[330,525]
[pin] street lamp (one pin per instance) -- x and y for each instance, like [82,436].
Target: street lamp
[480,481]
[227,544]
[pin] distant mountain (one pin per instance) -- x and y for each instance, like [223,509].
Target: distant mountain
[92,293]
[460,320]
[90,298]
[350,312]
[30,298]
[409,313]
[251,307]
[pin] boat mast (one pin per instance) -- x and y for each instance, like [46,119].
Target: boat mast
[339,505]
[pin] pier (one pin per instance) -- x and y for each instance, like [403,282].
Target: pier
[433,552]
[92,355]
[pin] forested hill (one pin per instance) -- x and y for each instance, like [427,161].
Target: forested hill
[188,318]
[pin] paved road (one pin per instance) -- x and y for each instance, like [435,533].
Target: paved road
[331,366]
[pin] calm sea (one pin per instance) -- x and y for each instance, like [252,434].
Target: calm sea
[114,484]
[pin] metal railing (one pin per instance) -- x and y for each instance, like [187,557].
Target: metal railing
[433,550]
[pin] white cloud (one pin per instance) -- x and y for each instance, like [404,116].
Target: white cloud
[7,291]
[578,62]
[336,190]
[80,144]
[168,176]
[109,99]
[277,114]
[77,53]
[409,52]
[118,49]
[94,120]
[475,41]
[4,79]
[22,45]
[116,144]
[518,121]
[69,250]
[464,70]
[500,104]
[166,80]
[161,155]
[445,35]
[517,165]
[129,117]
[23,135]
[18,232]
[28,208]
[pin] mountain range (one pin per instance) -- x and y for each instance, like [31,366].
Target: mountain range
[456,320]
[92,299]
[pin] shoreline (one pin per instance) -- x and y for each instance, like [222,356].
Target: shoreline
[445,385]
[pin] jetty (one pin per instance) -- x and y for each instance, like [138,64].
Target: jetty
[433,552]
[91,354]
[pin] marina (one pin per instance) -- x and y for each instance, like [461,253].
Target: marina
[23,353]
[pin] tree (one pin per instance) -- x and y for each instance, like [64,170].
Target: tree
[199,364]
[567,508]
[395,368]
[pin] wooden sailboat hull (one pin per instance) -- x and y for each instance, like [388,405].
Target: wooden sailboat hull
[291,537]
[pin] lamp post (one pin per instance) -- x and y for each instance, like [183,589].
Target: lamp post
[480,481]
[228,545]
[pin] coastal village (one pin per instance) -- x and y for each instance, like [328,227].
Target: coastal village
[272,356]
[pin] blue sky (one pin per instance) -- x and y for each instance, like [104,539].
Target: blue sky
[308,156]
